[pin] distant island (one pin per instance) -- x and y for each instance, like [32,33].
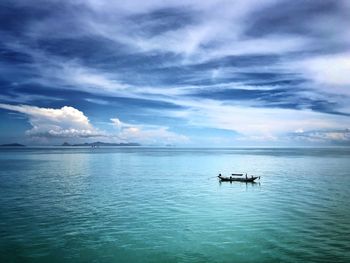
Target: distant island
[12,145]
[97,144]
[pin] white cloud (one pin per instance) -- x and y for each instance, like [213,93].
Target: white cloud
[330,69]
[324,136]
[68,122]
[257,122]
[26,98]
[67,73]
[97,101]
[73,75]
[147,134]
[216,31]
[57,123]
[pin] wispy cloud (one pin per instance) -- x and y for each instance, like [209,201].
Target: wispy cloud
[340,137]
[261,68]
[147,134]
[332,70]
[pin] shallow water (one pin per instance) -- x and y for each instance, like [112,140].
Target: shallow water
[164,205]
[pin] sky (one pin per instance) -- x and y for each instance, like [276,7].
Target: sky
[183,73]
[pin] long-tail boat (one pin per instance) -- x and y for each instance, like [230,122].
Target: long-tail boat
[246,179]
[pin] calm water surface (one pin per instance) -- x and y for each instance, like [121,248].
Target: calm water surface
[164,205]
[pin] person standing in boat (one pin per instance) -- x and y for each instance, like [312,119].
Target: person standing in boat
[246,176]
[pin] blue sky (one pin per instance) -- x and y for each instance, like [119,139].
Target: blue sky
[187,73]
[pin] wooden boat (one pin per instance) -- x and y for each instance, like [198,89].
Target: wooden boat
[238,179]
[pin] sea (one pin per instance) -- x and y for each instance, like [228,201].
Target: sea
[148,204]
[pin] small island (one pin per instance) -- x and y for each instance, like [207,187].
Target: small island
[98,144]
[12,145]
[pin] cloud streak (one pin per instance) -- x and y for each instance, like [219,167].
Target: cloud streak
[147,134]
[259,68]
[339,137]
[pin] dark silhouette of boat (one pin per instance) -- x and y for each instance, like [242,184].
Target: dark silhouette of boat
[245,179]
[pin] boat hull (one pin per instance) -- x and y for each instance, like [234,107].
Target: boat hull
[244,180]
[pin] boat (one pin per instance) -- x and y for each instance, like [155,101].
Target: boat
[250,179]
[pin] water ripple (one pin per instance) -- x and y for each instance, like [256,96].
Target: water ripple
[164,205]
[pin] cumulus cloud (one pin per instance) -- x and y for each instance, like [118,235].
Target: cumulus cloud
[68,122]
[65,122]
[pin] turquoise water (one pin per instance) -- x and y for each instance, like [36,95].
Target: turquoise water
[164,205]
